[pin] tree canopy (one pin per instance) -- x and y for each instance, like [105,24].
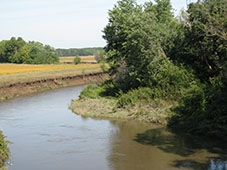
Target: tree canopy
[185,60]
[139,38]
[19,51]
[78,51]
[203,47]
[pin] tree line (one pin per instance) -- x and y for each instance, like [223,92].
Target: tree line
[78,51]
[154,55]
[16,50]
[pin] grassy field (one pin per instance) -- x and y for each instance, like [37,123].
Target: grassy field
[22,79]
[87,62]
[22,68]
[20,73]
[84,59]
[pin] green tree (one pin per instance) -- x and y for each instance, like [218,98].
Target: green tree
[203,43]
[18,51]
[3,57]
[139,38]
[78,51]
[204,46]
[40,54]
[9,50]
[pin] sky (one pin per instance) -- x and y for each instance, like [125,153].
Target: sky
[60,23]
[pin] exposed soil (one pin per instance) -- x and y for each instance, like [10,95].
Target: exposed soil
[14,90]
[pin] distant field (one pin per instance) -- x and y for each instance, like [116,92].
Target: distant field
[84,59]
[21,68]
[19,73]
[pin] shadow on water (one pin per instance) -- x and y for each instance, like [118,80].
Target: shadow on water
[186,146]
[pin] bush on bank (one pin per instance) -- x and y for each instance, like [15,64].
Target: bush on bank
[107,101]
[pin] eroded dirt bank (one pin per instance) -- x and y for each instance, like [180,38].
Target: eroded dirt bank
[18,89]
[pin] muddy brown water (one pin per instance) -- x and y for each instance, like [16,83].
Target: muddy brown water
[46,135]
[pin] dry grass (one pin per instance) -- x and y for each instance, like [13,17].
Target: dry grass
[84,59]
[88,59]
[20,73]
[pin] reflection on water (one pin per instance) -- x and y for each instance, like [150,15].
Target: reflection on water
[195,153]
[46,135]
[137,147]
[216,164]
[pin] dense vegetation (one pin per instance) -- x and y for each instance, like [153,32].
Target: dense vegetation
[78,51]
[19,51]
[155,57]
[202,46]
[4,151]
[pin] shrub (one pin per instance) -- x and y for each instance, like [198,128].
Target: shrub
[77,60]
[132,97]
[91,91]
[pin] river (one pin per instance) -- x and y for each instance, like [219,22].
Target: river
[45,135]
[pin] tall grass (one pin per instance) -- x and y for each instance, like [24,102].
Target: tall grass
[4,151]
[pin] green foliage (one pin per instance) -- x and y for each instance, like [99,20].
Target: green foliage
[153,56]
[132,97]
[137,37]
[77,60]
[139,40]
[10,50]
[202,110]
[40,54]
[18,51]
[106,89]
[92,91]
[78,51]
[203,47]
[203,44]
[4,151]
[104,66]
[191,104]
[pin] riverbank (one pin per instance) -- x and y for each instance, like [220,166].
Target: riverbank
[107,102]
[34,81]
[106,108]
